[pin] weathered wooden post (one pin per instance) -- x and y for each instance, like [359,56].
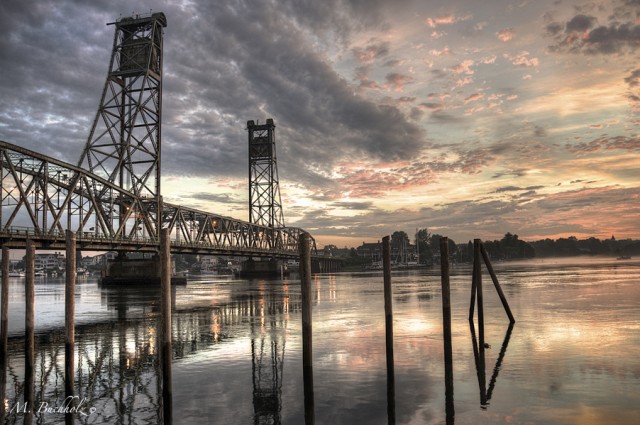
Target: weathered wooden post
[388,316]
[503,299]
[478,280]
[29,330]
[69,322]
[4,323]
[474,285]
[165,301]
[307,330]
[446,329]
[4,330]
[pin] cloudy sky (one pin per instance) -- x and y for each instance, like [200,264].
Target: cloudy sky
[470,118]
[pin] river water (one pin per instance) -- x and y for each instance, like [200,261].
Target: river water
[573,356]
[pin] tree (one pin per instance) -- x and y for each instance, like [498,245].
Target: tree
[425,253]
[399,244]
[434,242]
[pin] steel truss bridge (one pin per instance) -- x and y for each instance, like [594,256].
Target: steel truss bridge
[42,197]
[111,199]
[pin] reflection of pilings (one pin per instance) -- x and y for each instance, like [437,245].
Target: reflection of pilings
[485,394]
[117,364]
[121,393]
[166,354]
[480,365]
[29,344]
[69,321]
[446,330]
[496,369]
[307,356]
[4,335]
[388,320]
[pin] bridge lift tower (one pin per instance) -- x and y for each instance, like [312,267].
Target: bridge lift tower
[124,143]
[265,205]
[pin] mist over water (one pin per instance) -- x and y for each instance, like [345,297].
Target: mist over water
[573,356]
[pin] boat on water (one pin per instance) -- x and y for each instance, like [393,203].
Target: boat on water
[16,273]
[624,257]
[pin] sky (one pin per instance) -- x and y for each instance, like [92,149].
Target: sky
[469,118]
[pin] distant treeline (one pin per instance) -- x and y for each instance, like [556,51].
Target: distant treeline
[511,247]
[426,250]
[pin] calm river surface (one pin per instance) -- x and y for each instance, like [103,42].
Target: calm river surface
[573,356]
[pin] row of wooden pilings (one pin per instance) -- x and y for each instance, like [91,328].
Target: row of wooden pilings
[165,332]
[476,291]
[70,407]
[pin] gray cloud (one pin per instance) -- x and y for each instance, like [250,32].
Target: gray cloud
[580,23]
[581,34]
[604,143]
[224,64]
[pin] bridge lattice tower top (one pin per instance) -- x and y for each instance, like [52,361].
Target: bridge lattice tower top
[265,204]
[124,143]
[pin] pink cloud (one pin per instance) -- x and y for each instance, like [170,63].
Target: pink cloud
[489,60]
[445,20]
[444,51]
[464,67]
[473,98]
[397,81]
[464,81]
[522,60]
[506,34]
[371,52]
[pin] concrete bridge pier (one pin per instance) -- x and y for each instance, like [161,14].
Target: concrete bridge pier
[137,271]
[265,268]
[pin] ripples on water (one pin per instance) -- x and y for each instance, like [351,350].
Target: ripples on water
[573,356]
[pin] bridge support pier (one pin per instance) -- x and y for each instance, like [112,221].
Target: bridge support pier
[271,268]
[137,271]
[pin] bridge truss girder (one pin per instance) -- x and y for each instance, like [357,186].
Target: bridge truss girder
[42,197]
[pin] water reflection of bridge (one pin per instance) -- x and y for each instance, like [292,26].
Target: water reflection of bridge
[118,367]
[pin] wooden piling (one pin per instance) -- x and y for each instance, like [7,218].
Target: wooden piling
[446,329]
[478,279]
[4,308]
[307,346]
[474,286]
[165,306]
[388,316]
[69,321]
[503,299]
[29,330]
[4,328]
